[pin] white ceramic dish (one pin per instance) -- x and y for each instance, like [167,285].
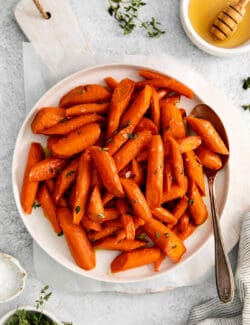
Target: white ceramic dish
[39,227]
[12,278]
[201,43]
[4,319]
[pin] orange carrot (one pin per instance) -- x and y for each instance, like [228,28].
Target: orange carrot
[106,167]
[111,82]
[109,228]
[110,214]
[177,161]
[163,237]
[78,242]
[180,207]
[131,149]
[115,142]
[49,207]
[146,124]
[164,215]
[135,258]
[47,117]
[107,197]
[137,173]
[46,169]
[183,222]
[208,158]
[85,94]
[176,191]
[96,179]
[119,102]
[171,99]
[136,199]
[197,207]
[139,107]
[95,210]
[162,93]
[128,225]
[189,143]
[29,189]
[50,185]
[154,184]
[76,110]
[72,196]
[65,179]
[83,178]
[143,156]
[168,176]
[194,170]
[158,262]
[110,243]
[208,134]
[185,234]
[89,224]
[72,124]
[62,202]
[77,140]
[155,108]
[52,139]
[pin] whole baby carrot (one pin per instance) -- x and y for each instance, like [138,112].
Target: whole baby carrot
[208,158]
[95,210]
[197,207]
[80,109]
[155,108]
[146,124]
[110,243]
[194,170]
[46,117]
[111,82]
[29,189]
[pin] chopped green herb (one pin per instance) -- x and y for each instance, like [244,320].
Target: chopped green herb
[130,135]
[167,234]
[81,91]
[36,205]
[65,119]
[46,152]
[167,128]
[115,132]
[60,234]
[104,149]
[246,83]
[77,209]
[135,136]
[109,140]
[141,236]
[174,246]
[70,173]
[198,161]
[134,201]
[152,27]
[127,124]
[157,235]
[191,201]
[100,215]
[246,107]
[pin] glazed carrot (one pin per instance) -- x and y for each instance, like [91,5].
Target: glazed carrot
[208,134]
[78,242]
[110,243]
[138,222]
[82,186]
[143,156]
[177,161]
[185,234]
[139,107]
[164,215]
[189,143]
[163,237]
[95,210]
[52,139]
[128,225]
[50,185]
[110,214]
[72,124]
[131,149]
[49,208]
[180,207]
[122,206]
[72,195]
[106,167]
[137,173]
[29,189]
[176,191]
[154,183]
[135,258]
[197,207]
[158,262]
[85,94]
[116,141]
[162,93]
[194,170]
[47,117]
[62,203]
[183,222]
[46,169]
[168,175]
[136,199]
[76,110]
[155,108]
[208,158]
[65,179]
[111,82]
[171,99]
[119,102]
[183,112]
[146,124]
[172,122]
[107,197]
[77,140]
[109,228]
[89,224]
[170,83]
[96,179]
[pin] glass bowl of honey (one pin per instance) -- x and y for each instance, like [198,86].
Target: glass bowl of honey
[197,16]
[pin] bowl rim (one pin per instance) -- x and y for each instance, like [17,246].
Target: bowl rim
[22,272]
[201,43]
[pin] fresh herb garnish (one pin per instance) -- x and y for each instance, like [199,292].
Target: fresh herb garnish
[65,119]
[191,201]
[36,205]
[132,136]
[167,234]
[167,128]
[109,140]
[100,215]
[141,236]
[126,12]
[134,201]
[155,172]
[81,91]
[104,149]
[60,233]
[77,209]
[46,152]
[70,173]
[246,107]
[157,235]
[246,83]
[174,246]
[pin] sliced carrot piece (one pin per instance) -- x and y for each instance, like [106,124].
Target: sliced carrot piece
[180,207]
[110,243]
[116,141]
[183,222]
[197,207]
[111,82]
[176,191]
[143,156]
[96,108]
[51,185]
[89,224]
[85,94]
[135,258]
[177,160]
[109,228]
[194,170]
[146,124]
[155,108]
[158,262]
[185,234]
[49,207]
[189,143]
[95,210]
[208,158]
[47,117]
[137,173]
[29,189]
[168,176]
[164,215]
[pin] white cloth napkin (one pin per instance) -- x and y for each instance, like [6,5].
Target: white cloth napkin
[237,312]
[38,79]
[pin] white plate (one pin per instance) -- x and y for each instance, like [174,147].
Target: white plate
[39,227]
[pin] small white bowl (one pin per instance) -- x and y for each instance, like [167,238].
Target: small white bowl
[12,278]
[200,42]
[4,319]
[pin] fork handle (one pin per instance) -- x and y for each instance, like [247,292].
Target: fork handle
[223,271]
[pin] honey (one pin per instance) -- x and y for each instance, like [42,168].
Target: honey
[202,13]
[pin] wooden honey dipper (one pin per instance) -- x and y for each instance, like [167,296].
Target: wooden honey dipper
[227,21]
